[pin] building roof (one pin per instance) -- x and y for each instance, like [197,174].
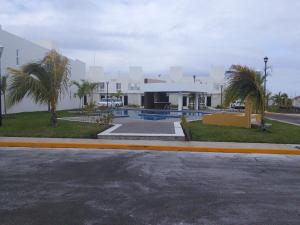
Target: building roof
[174,87]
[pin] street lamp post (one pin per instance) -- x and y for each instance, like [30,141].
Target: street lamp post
[265,81]
[265,90]
[1,51]
[221,95]
[107,93]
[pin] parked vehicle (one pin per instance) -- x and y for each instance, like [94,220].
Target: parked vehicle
[237,105]
[110,102]
[105,102]
[118,102]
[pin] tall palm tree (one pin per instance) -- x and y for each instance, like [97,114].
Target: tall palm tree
[245,84]
[282,100]
[44,81]
[268,97]
[81,90]
[3,90]
[84,88]
[277,99]
[118,94]
[91,87]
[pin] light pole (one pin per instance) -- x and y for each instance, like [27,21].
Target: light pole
[1,51]
[221,95]
[107,93]
[265,84]
[265,89]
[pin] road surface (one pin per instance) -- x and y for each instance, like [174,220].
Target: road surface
[88,187]
[290,118]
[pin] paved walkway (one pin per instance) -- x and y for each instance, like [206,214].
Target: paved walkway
[155,142]
[144,126]
[138,129]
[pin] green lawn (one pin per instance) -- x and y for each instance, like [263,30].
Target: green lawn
[37,124]
[279,133]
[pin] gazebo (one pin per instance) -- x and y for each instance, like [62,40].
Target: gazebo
[157,94]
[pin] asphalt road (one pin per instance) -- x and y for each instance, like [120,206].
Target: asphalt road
[284,117]
[85,187]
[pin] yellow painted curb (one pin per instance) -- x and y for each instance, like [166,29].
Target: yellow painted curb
[150,147]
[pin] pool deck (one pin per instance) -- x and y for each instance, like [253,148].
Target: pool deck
[144,126]
[144,130]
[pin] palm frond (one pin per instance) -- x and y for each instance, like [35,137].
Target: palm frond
[243,84]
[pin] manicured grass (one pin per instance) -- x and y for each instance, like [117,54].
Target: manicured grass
[279,133]
[37,124]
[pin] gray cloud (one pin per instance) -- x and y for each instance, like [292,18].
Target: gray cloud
[160,33]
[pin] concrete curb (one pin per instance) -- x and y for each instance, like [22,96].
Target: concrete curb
[151,147]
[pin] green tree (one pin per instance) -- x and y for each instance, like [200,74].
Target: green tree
[268,97]
[245,84]
[118,94]
[81,91]
[91,88]
[44,81]
[84,88]
[277,99]
[282,100]
[4,80]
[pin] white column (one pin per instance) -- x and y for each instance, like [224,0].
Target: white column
[187,101]
[205,101]
[179,97]
[196,101]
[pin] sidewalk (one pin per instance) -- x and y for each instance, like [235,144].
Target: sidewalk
[145,145]
[151,142]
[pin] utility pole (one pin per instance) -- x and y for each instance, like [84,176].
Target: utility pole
[107,93]
[1,51]
[265,90]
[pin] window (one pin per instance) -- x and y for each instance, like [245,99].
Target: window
[142,100]
[133,86]
[208,101]
[101,86]
[17,57]
[118,86]
[184,101]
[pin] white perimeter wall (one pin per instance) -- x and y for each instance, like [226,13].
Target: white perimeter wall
[134,99]
[30,52]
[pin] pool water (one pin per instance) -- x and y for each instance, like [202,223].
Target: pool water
[146,114]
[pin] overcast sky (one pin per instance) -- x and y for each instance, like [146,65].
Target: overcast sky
[194,34]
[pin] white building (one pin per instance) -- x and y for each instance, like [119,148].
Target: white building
[175,88]
[17,52]
[296,102]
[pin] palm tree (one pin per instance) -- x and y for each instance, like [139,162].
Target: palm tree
[44,81]
[282,100]
[91,88]
[3,90]
[246,84]
[268,97]
[84,88]
[81,91]
[118,94]
[277,99]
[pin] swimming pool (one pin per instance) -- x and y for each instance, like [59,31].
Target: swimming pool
[148,114]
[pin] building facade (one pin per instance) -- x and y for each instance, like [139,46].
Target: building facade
[17,52]
[296,102]
[174,89]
